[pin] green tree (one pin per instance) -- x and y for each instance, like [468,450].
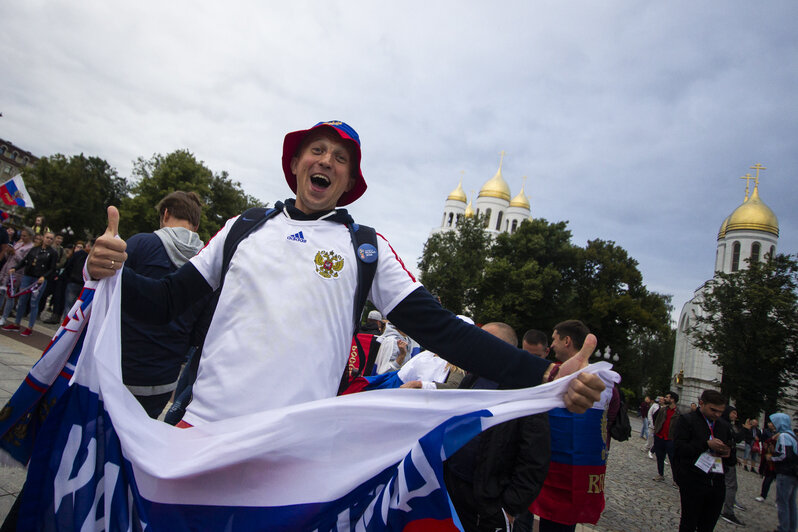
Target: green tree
[528,280]
[749,325]
[452,263]
[613,301]
[160,175]
[536,277]
[73,192]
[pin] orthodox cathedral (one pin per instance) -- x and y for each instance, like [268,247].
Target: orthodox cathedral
[503,215]
[750,231]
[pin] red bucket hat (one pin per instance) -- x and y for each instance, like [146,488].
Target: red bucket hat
[294,139]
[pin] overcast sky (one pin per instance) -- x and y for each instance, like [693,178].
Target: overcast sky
[631,120]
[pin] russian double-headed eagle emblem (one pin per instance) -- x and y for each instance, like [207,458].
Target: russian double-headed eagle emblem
[328,264]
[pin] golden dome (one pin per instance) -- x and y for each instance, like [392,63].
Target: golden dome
[723,226]
[753,214]
[520,200]
[458,194]
[496,187]
[469,212]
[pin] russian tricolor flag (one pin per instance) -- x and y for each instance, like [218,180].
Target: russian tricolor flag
[13,192]
[368,461]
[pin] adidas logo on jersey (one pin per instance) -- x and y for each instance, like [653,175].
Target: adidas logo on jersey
[298,237]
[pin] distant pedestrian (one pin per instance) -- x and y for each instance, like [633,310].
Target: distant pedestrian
[652,411]
[752,444]
[645,406]
[785,458]
[664,423]
[730,469]
[767,468]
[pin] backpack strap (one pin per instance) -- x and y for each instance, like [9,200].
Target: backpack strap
[364,240]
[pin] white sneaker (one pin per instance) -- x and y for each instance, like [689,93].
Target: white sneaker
[650,455]
[2,321]
[759,499]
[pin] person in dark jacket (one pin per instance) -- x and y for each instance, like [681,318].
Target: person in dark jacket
[73,274]
[664,421]
[496,476]
[152,354]
[37,267]
[701,441]
[730,469]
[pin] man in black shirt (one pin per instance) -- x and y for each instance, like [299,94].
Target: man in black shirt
[702,439]
[37,267]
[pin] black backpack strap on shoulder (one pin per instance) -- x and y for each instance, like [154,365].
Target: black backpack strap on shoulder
[364,240]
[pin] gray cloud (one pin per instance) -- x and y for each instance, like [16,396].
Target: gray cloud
[633,121]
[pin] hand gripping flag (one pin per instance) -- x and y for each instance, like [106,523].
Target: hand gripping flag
[13,192]
[363,462]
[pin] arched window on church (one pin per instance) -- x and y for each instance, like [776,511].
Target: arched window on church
[755,250]
[451,218]
[735,257]
[499,221]
[515,226]
[772,252]
[459,217]
[487,218]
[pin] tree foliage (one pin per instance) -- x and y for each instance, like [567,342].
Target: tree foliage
[73,192]
[536,277]
[160,175]
[452,263]
[749,326]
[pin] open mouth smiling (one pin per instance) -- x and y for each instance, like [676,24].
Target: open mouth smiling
[320,180]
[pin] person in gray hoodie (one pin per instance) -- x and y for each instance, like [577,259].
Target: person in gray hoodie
[152,354]
[785,458]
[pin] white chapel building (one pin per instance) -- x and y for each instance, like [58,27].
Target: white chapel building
[750,231]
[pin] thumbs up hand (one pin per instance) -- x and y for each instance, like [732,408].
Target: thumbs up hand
[108,253]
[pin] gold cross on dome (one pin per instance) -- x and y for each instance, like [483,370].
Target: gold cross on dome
[757,167]
[748,177]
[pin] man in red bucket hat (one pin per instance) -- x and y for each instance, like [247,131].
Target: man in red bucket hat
[282,328]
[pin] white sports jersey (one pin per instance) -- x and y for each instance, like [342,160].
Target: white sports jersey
[282,328]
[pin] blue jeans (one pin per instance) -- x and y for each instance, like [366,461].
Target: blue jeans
[27,280]
[644,430]
[786,486]
[661,448]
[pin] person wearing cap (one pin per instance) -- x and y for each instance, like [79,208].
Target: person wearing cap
[374,324]
[278,312]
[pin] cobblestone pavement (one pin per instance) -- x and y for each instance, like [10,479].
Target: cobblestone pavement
[634,501]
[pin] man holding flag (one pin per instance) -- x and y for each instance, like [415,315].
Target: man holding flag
[272,288]
[273,446]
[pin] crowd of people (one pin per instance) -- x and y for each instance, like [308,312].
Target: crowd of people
[772,453]
[38,273]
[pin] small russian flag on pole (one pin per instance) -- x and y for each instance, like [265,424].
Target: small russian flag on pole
[13,192]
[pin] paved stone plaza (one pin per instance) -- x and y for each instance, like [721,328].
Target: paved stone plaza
[634,501]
